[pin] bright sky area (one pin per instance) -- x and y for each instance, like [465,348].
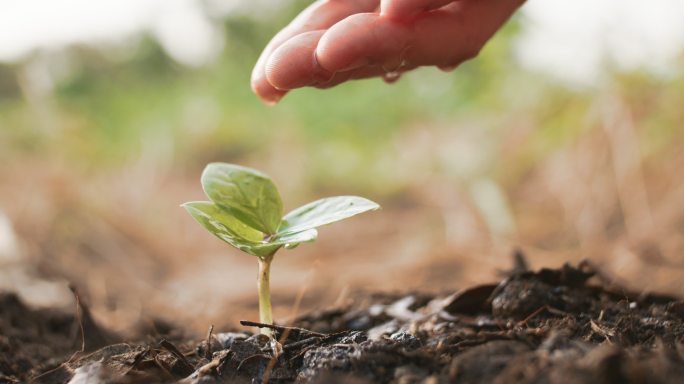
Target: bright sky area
[574,41]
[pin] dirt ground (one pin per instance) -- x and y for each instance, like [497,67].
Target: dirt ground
[564,325]
[147,273]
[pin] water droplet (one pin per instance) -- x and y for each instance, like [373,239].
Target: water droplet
[448,68]
[391,77]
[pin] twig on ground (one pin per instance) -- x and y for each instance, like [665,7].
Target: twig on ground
[175,352]
[138,359]
[79,315]
[250,358]
[208,342]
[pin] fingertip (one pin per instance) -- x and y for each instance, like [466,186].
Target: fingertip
[293,64]
[391,77]
[268,94]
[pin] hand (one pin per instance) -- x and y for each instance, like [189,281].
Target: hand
[333,41]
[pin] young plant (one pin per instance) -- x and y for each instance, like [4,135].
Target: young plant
[246,212]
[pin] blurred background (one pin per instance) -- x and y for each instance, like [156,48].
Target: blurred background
[563,139]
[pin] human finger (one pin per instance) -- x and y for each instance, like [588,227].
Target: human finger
[293,64]
[362,73]
[320,15]
[364,39]
[404,9]
[443,37]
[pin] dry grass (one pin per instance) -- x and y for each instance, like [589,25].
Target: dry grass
[121,238]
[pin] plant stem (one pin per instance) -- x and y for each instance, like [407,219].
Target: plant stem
[263,285]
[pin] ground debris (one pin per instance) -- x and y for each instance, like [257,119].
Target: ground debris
[548,326]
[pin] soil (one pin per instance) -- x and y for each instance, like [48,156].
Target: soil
[567,325]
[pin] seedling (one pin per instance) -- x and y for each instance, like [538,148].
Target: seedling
[246,212]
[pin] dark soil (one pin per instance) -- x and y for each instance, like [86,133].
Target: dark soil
[552,326]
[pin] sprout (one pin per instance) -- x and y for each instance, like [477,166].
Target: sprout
[246,212]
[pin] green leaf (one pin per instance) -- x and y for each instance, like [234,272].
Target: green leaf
[291,240]
[228,228]
[245,210]
[324,211]
[246,193]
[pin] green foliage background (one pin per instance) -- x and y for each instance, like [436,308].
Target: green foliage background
[100,144]
[109,109]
